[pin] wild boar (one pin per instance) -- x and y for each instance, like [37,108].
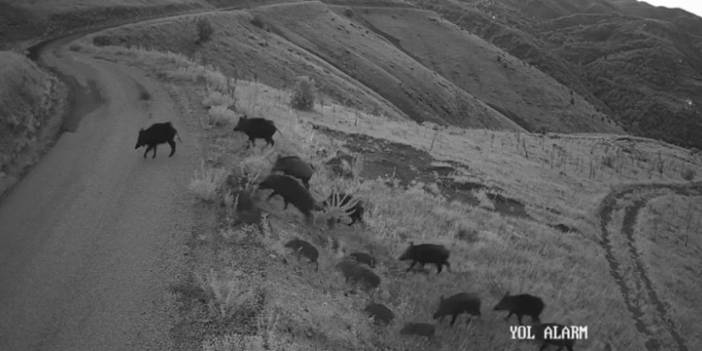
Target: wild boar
[419,329]
[256,128]
[157,133]
[522,304]
[457,304]
[426,253]
[358,275]
[363,258]
[379,313]
[294,166]
[303,248]
[292,192]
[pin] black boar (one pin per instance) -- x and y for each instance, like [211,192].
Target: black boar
[379,313]
[256,128]
[364,258]
[357,274]
[420,329]
[303,248]
[457,304]
[343,200]
[292,192]
[158,133]
[294,166]
[561,343]
[426,253]
[523,304]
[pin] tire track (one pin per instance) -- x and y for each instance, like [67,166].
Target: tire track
[635,285]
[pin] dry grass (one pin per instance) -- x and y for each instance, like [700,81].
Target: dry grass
[206,183]
[558,177]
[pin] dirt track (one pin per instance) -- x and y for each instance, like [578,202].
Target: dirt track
[92,238]
[648,311]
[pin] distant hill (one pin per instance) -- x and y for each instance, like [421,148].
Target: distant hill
[639,63]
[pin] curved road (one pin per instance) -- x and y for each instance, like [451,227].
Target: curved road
[650,316]
[92,238]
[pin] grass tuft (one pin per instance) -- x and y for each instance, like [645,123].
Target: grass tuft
[206,183]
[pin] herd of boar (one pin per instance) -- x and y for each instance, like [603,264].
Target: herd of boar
[290,178]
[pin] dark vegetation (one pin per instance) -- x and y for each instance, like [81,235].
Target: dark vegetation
[204,30]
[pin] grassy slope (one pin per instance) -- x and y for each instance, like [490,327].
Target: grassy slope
[486,71]
[670,244]
[246,51]
[29,117]
[640,64]
[421,93]
[379,75]
[559,179]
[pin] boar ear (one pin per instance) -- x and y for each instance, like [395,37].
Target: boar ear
[244,116]
[411,243]
[441,299]
[507,293]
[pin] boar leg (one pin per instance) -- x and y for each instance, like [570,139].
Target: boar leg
[154,155]
[173,147]
[411,266]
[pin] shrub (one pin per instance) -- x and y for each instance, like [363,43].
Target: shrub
[204,30]
[216,98]
[221,115]
[688,174]
[101,40]
[303,95]
[226,292]
[258,22]
[206,182]
[608,161]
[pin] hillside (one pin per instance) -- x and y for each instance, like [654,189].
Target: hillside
[498,129]
[491,74]
[398,74]
[514,208]
[30,107]
[639,64]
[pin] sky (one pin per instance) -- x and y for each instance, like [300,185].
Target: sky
[694,6]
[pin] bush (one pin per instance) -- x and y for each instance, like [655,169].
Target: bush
[688,174]
[101,40]
[206,182]
[303,95]
[258,22]
[204,30]
[221,115]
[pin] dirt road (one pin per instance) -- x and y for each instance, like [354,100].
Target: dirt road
[650,315]
[93,236]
